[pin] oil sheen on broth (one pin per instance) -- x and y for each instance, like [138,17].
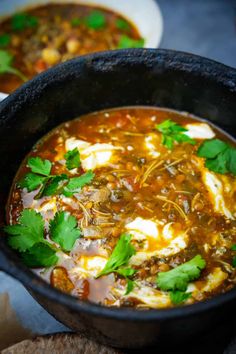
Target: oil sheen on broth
[167,201]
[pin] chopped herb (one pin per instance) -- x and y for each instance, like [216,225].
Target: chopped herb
[127,42]
[31,181]
[64,230]
[95,20]
[40,166]
[220,156]
[179,277]
[72,159]
[76,21]
[54,185]
[119,258]
[233,248]
[173,132]
[177,296]
[40,255]
[27,237]
[122,24]
[22,21]
[76,183]
[6,67]
[5,40]
[28,232]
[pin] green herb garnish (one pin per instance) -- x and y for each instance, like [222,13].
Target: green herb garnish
[76,183]
[6,67]
[220,156]
[127,42]
[5,40]
[119,258]
[40,176]
[233,248]
[72,159]
[76,21]
[179,277]
[95,20]
[173,132]
[177,297]
[122,24]
[40,255]
[28,232]
[22,21]
[64,231]
[27,237]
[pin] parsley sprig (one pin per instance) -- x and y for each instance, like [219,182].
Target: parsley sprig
[27,237]
[119,258]
[40,176]
[177,279]
[220,156]
[6,60]
[173,132]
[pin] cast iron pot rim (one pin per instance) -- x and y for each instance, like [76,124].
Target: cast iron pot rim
[176,60]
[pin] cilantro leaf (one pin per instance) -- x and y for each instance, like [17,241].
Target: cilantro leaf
[211,148]
[76,183]
[177,296]
[76,21]
[220,156]
[95,20]
[22,21]
[233,248]
[40,166]
[173,132]
[27,232]
[6,67]
[72,159]
[122,24]
[130,286]
[179,277]
[63,230]
[40,255]
[127,42]
[120,256]
[31,181]
[54,185]
[5,40]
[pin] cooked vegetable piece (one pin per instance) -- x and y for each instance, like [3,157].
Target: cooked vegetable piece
[72,159]
[179,277]
[220,156]
[40,255]
[173,132]
[64,230]
[6,67]
[127,42]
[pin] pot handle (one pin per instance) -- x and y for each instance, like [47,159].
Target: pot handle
[3,96]
[6,265]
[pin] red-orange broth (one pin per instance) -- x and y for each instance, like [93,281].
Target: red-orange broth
[161,197]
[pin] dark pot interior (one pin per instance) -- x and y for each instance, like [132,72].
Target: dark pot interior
[112,79]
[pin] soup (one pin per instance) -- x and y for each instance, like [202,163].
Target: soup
[37,39]
[129,207]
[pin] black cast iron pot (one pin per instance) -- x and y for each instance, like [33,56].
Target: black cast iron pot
[112,79]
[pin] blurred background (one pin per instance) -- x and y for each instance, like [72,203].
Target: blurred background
[204,27]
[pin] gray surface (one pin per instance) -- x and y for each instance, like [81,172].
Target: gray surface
[204,27]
